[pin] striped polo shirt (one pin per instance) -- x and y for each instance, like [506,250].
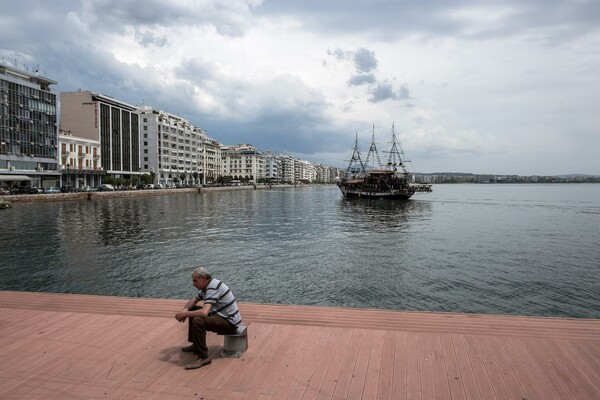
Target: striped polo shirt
[223,303]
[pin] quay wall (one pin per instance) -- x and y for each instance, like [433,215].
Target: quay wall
[30,198]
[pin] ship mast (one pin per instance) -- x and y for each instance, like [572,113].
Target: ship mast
[356,165]
[373,153]
[395,159]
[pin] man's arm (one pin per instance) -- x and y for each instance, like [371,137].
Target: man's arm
[186,313]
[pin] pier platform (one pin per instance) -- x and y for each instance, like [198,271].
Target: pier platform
[65,346]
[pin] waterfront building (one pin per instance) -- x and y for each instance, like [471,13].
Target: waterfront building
[28,128]
[243,161]
[172,148]
[304,171]
[273,172]
[287,168]
[212,160]
[80,158]
[110,122]
[325,173]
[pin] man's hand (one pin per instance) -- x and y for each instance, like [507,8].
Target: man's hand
[180,316]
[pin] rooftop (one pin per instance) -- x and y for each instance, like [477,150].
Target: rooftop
[80,346]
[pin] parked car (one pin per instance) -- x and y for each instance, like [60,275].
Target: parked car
[35,190]
[106,188]
[49,190]
[4,191]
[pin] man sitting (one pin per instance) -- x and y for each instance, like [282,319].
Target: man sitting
[217,312]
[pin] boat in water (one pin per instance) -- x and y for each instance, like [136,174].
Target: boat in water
[373,180]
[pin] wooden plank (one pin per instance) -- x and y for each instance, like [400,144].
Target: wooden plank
[439,367]
[540,357]
[494,373]
[534,370]
[313,357]
[510,371]
[578,372]
[453,372]
[549,351]
[359,374]
[413,369]
[374,370]
[590,374]
[386,372]
[400,367]
[467,369]
[335,365]
[521,367]
[344,380]
[293,382]
[479,368]
[326,356]
[425,354]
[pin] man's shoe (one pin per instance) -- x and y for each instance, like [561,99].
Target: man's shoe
[188,349]
[200,362]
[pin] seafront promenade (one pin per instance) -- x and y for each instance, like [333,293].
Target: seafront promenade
[81,346]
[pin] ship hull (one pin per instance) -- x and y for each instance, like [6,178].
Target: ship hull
[355,193]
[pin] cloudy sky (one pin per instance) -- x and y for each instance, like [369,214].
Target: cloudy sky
[497,86]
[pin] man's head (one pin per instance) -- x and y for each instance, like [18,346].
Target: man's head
[200,278]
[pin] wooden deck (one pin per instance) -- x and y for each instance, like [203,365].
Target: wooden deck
[93,347]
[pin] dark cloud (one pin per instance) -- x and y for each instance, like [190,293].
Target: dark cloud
[385,91]
[358,80]
[389,20]
[364,60]
[227,18]
[152,39]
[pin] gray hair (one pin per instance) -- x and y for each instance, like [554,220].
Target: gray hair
[201,272]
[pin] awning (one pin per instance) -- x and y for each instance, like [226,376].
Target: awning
[14,178]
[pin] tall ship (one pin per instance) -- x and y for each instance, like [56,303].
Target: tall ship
[373,179]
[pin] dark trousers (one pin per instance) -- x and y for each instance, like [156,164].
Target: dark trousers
[198,326]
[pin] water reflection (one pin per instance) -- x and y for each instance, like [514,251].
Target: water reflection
[383,215]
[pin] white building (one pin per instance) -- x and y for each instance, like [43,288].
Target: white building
[80,161]
[273,171]
[172,148]
[288,174]
[212,160]
[243,161]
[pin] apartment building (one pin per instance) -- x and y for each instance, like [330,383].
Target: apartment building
[243,161]
[273,171]
[172,148]
[213,166]
[28,128]
[112,123]
[287,168]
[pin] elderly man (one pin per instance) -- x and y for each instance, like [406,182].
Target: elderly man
[218,312]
